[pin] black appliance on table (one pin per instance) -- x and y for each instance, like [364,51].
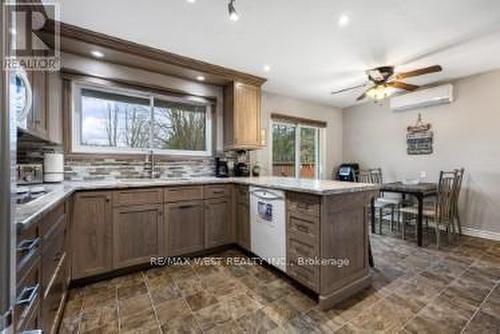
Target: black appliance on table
[348,172]
[221,168]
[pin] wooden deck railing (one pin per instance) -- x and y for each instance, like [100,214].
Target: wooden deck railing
[288,169]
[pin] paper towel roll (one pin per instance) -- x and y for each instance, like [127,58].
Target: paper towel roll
[53,167]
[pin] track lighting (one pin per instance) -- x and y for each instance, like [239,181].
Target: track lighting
[233,14]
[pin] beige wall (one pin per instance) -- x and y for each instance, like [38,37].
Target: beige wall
[466,133]
[274,103]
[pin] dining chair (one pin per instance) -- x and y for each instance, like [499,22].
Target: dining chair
[443,211]
[383,202]
[374,176]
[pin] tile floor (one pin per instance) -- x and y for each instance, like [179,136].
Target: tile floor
[415,290]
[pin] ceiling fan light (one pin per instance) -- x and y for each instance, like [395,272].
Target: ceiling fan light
[233,14]
[380,92]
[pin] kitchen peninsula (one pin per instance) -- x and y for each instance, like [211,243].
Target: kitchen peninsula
[116,226]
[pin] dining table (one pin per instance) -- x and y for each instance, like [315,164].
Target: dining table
[420,191]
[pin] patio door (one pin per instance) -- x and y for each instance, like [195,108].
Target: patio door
[295,150]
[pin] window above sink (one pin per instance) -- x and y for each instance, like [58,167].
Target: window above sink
[117,120]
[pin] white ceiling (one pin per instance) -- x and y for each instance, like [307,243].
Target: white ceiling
[301,40]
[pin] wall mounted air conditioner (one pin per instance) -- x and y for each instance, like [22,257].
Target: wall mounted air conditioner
[423,98]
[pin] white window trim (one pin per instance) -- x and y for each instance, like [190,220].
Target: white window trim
[320,151]
[76,146]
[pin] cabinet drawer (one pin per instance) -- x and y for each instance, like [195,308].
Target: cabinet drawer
[177,194]
[52,301]
[298,247]
[52,252]
[303,227]
[137,197]
[31,322]
[308,275]
[27,249]
[52,218]
[28,292]
[216,191]
[304,204]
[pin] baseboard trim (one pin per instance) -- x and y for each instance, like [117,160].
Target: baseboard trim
[472,232]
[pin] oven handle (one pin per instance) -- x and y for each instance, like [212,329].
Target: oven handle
[258,193]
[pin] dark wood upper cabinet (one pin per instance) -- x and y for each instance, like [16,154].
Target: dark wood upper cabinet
[185,231]
[137,234]
[242,116]
[38,118]
[217,228]
[91,234]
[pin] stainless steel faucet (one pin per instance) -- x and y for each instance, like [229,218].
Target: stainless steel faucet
[149,164]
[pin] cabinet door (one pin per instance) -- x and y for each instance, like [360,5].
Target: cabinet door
[184,227]
[54,108]
[91,234]
[243,225]
[137,234]
[247,116]
[217,230]
[38,122]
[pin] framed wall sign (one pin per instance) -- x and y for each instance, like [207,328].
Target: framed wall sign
[419,138]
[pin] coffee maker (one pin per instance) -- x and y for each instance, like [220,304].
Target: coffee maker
[241,167]
[221,169]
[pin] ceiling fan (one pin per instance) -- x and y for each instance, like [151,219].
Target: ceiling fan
[384,81]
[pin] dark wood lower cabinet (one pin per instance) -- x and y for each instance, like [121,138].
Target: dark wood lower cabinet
[185,228]
[242,220]
[91,233]
[137,234]
[243,225]
[217,228]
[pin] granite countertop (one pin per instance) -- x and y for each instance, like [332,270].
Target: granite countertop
[27,213]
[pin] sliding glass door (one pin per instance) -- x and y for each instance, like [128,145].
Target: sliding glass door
[295,150]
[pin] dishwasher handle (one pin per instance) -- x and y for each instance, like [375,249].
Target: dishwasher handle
[266,195]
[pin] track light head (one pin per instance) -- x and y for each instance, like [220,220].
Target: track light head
[233,14]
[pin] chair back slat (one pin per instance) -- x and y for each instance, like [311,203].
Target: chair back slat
[376,175]
[445,203]
[364,177]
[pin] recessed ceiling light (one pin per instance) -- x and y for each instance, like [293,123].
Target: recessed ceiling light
[12,31]
[97,54]
[233,14]
[344,20]
[267,68]
[191,1]
[200,78]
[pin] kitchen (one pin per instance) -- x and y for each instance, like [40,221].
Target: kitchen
[158,192]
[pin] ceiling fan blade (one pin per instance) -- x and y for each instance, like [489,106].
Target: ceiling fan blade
[421,71]
[348,89]
[402,85]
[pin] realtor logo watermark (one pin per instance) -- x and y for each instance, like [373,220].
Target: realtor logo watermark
[25,24]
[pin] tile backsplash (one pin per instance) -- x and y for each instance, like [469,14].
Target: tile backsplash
[110,168]
[31,150]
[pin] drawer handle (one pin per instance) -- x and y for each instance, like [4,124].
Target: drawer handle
[303,206]
[27,245]
[302,228]
[186,206]
[28,295]
[218,191]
